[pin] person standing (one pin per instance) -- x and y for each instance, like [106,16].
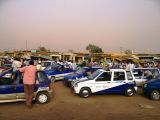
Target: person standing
[29,76]
[39,66]
[130,66]
[16,64]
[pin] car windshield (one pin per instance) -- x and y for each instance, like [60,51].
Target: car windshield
[140,72]
[46,64]
[95,74]
[157,77]
[52,67]
[80,70]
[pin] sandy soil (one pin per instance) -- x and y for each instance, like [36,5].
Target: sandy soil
[67,106]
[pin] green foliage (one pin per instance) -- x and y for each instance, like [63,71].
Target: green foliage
[127,51]
[40,48]
[94,49]
[71,51]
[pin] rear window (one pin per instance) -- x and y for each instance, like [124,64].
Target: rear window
[144,72]
[138,72]
[129,75]
[41,76]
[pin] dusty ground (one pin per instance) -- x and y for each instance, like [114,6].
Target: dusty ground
[67,106]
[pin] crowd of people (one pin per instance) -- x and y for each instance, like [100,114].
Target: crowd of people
[128,65]
[29,68]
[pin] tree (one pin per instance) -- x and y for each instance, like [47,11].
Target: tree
[40,48]
[71,51]
[128,51]
[94,49]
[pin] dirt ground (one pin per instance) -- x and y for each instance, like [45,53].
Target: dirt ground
[67,106]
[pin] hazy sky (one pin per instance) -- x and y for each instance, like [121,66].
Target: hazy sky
[73,24]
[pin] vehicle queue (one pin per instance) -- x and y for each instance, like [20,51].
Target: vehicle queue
[111,79]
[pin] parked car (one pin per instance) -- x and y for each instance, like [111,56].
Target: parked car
[45,64]
[143,74]
[152,88]
[12,90]
[103,82]
[58,71]
[81,72]
[3,68]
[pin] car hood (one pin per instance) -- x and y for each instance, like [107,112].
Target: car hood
[74,76]
[81,80]
[152,81]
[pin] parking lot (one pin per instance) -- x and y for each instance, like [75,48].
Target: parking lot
[67,106]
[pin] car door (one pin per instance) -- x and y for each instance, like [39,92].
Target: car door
[7,88]
[59,72]
[102,83]
[67,70]
[118,83]
[20,87]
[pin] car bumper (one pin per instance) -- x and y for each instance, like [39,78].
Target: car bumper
[67,83]
[75,90]
[146,91]
[136,88]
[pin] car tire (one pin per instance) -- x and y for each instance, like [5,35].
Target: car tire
[53,79]
[43,97]
[85,92]
[155,95]
[129,92]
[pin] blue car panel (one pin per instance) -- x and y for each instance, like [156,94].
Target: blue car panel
[12,89]
[151,86]
[80,73]
[118,89]
[58,71]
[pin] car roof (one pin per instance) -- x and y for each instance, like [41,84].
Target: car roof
[48,61]
[144,68]
[111,70]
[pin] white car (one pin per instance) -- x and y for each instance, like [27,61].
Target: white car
[143,74]
[45,64]
[103,82]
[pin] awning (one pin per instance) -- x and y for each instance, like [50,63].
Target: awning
[46,57]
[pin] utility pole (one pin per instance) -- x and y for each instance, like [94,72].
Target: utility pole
[26,46]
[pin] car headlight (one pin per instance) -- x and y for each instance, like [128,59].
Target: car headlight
[145,85]
[49,77]
[76,85]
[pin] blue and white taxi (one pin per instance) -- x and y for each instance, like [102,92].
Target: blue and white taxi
[57,72]
[12,89]
[106,82]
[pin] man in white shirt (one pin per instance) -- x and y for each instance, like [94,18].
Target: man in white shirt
[130,66]
[16,64]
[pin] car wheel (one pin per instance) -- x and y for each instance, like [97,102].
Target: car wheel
[53,79]
[42,97]
[130,92]
[85,92]
[155,95]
